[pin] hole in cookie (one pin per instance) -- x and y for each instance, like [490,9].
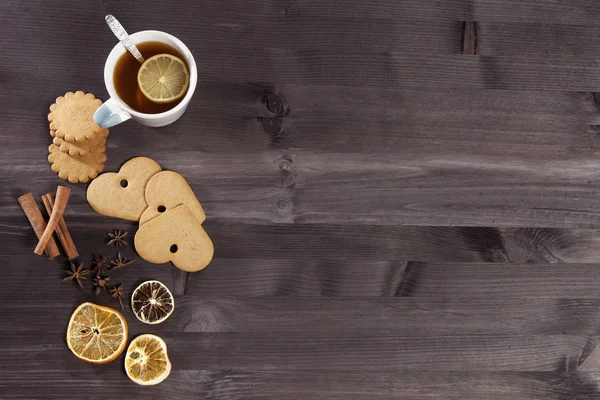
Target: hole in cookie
[124,183]
[161,209]
[173,248]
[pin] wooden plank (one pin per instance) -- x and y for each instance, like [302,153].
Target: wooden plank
[392,69]
[331,351]
[270,29]
[403,316]
[240,14]
[312,385]
[528,124]
[453,281]
[208,312]
[330,278]
[444,191]
[577,12]
[354,244]
[254,11]
[254,277]
[402,121]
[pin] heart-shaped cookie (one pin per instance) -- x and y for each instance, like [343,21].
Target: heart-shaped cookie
[167,190]
[122,194]
[177,236]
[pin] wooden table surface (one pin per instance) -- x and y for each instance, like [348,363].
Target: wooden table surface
[393,216]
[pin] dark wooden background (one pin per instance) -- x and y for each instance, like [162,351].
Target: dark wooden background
[392,218]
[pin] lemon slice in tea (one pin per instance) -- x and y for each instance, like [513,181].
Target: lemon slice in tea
[96,334]
[147,362]
[163,78]
[152,302]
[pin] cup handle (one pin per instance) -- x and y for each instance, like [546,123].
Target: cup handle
[110,114]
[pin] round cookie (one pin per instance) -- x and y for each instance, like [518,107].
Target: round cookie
[72,117]
[74,168]
[96,145]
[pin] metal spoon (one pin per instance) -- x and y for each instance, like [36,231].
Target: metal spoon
[123,37]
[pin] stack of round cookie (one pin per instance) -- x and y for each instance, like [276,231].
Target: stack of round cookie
[77,152]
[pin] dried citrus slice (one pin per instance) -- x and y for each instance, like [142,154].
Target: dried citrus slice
[147,362]
[163,78]
[96,334]
[152,302]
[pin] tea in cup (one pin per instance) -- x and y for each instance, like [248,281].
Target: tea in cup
[127,99]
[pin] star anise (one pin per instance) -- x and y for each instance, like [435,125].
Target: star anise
[77,273]
[100,283]
[117,238]
[120,262]
[100,265]
[117,293]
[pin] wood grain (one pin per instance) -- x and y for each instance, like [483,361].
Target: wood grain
[538,39]
[339,188]
[363,243]
[580,12]
[332,351]
[364,66]
[531,158]
[274,385]
[405,316]
[407,222]
[505,281]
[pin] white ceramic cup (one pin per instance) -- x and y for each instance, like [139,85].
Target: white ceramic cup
[114,110]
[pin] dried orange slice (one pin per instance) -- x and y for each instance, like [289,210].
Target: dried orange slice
[163,78]
[96,334]
[152,302]
[147,362]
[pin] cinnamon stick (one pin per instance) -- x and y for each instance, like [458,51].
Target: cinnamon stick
[38,223]
[62,197]
[62,231]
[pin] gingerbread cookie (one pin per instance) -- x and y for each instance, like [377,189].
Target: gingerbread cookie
[72,117]
[121,194]
[97,145]
[74,168]
[165,191]
[177,236]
